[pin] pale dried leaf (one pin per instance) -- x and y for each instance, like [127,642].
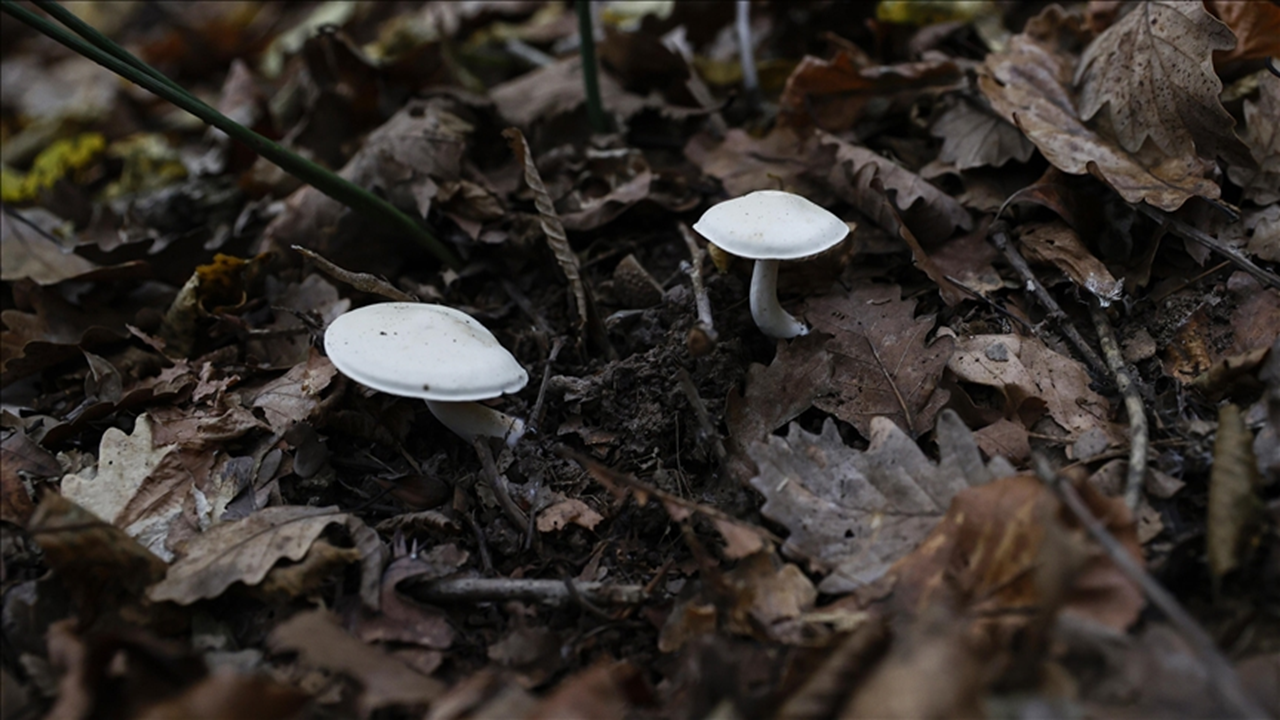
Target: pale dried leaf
[25,252]
[852,514]
[884,364]
[1153,70]
[1262,135]
[292,398]
[973,137]
[573,510]
[1233,493]
[1027,85]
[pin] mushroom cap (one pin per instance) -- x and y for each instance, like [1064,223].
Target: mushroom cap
[771,225]
[425,351]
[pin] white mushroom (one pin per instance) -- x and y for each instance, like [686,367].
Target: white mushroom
[431,352]
[769,226]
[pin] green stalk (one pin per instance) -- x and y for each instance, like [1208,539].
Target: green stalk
[118,60]
[587,50]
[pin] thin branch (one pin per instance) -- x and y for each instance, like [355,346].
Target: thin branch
[998,234]
[1223,678]
[498,484]
[553,592]
[1197,235]
[1138,436]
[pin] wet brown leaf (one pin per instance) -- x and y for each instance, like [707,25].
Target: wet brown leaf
[1153,70]
[1028,85]
[1256,26]
[384,681]
[852,514]
[884,363]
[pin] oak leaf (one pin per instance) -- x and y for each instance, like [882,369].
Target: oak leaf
[1262,134]
[1153,70]
[973,137]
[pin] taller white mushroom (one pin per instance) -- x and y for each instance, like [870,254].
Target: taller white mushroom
[431,352]
[769,226]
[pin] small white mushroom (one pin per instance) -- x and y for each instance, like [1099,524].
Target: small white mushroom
[431,352]
[769,226]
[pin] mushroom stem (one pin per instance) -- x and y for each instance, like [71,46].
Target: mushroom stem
[765,310]
[471,420]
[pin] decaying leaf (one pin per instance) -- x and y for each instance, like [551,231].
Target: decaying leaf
[1256,26]
[292,397]
[1233,486]
[884,364]
[1027,85]
[775,395]
[320,642]
[21,456]
[852,514]
[573,510]
[246,550]
[785,159]
[835,93]
[1153,70]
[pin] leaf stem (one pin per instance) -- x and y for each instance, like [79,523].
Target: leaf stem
[108,54]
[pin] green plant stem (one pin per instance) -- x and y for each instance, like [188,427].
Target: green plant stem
[590,77]
[150,79]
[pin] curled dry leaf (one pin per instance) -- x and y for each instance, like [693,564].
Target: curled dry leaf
[852,514]
[1060,246]
[1153,71]
[246,550]
[568,511]
[1028,85]
[883,362]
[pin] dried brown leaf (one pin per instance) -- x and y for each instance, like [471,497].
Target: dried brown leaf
[551,225]
[1262,135]
[294,396]
[1056,244]
[246,550]
[782,160]
[1256,26]
[1032,379]
[20,457]
[835,93]
[852,514]
[320,642]
[1153,70]
[884,364]
[26,252]
[1028,85]
[975,137]
[573,510]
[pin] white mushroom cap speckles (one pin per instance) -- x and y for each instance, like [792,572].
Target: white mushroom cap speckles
[425,351]
[771,225]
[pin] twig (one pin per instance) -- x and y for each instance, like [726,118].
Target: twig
[108,54]
[702,336]
[700,411]
[498,484]
[535,417]
[486,560]
[1223,678]
[998,234]
[1196,235]
[364,282]
[584,602]
[587,51]
[553,592]
[1138,436]
[991,303]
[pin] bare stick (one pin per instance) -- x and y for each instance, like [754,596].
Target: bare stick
[535,417]
[1196,235]
[999,237]
[1223,678]
[705,328]
[708,431]
[1138,437]
[553,592]
[498,484]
